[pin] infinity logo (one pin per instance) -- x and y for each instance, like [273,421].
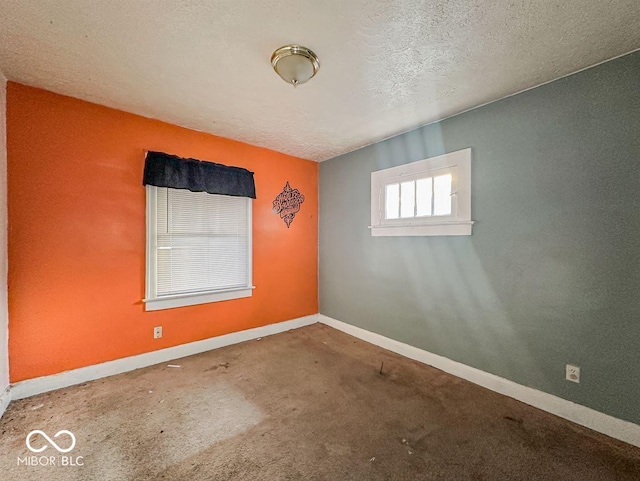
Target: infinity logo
[50,441]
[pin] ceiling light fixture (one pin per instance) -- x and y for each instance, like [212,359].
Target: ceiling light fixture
[295,64]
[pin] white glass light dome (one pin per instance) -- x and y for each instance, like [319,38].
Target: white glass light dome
[295,64]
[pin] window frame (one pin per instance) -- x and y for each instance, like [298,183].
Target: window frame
[154,302]
[458,223]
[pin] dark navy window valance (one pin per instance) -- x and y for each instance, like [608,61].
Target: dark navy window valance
[165,170]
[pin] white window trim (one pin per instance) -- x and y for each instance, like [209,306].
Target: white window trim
[459,223]
[154,302]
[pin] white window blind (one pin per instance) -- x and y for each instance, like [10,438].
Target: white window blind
[201,244]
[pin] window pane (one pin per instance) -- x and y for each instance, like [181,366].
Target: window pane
[407,199]
[392,201]
[424,194]
[442,195]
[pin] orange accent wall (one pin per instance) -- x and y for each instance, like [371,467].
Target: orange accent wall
[77,235]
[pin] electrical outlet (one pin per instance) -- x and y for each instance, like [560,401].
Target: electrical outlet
[157,332]
[572,373]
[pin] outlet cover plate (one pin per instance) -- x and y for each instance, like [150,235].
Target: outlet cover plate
[572,373]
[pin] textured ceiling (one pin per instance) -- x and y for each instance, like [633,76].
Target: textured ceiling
[386,66]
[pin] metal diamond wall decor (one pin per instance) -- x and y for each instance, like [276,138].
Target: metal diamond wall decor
[287,204]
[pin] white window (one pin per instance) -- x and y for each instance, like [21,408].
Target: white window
[424,198]
[198,248]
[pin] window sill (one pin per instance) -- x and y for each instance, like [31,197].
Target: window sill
[433,229]
[169,302]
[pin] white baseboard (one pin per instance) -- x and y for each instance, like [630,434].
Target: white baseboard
[31,387]
[5,399]
[590,418]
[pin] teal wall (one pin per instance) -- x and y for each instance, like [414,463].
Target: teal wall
[551,274]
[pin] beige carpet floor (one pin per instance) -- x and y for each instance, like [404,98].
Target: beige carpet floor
[308,404]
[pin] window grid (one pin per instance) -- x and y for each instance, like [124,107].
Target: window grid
[422,197]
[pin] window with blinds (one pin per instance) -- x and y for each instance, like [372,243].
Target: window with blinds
[199,247]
